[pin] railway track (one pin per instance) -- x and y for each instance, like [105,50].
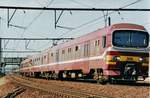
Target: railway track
[18,90]
[57,90]
[73,89]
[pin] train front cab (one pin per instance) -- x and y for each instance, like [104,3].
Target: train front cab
[128,60]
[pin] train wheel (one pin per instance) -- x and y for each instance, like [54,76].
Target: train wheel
[55,76]
[99,77]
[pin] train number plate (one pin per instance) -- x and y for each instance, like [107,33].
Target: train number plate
[129,58]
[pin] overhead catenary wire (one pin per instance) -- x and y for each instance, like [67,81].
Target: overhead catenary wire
[38,2]
[82,4]
[36,17]
[78,26]
[75,9]
[82,9]
[76,2]
[137,1]
[25,28]
[101,17]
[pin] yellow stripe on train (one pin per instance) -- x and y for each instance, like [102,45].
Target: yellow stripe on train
[130,58]
[113,63]
[122,58]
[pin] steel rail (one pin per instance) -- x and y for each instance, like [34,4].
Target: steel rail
[58,90]
[15,92]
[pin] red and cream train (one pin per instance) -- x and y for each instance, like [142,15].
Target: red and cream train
[117,52]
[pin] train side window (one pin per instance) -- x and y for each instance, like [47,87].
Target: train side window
[69,50]
[76,48]
[104,41]
[86,50]
[51,54]
[63,51]
[98,42]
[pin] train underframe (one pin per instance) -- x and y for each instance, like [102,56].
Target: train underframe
[129,71]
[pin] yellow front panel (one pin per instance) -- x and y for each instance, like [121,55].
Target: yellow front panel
[129,58]
[112,63]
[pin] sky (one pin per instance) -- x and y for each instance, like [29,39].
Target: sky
[40,24]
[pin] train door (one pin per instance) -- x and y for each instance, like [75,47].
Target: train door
[86,55]
[87,49]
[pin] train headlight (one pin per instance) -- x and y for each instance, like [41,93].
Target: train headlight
[140,59]
[143,59]
[116,58]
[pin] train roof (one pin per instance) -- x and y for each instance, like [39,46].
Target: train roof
[127,26]
[103,31]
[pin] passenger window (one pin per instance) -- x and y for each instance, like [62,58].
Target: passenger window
[76,48]
[96,43]
[63,51]
[51,54]
[104,41]
[69,50]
